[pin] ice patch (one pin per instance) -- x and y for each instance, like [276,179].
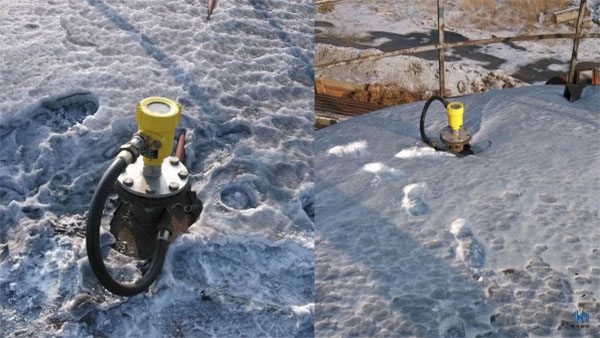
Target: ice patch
[414,199]
[427,153]
[353,149]
[558,67]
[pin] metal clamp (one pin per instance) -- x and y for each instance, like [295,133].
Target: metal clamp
[132,149]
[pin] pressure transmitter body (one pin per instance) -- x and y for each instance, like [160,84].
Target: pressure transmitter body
[156,174]
[155,197]
[156,180]
[455,135]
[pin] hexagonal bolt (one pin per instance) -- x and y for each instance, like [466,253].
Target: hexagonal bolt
[128,181]
[174,160]
[183,174]
[156,144]
[173,186]
[149,190]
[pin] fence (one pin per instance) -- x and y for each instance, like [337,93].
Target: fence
[441,45]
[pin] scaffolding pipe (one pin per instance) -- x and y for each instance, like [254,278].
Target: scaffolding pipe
[571,78]
[327,1]
[459,44]
[441,50]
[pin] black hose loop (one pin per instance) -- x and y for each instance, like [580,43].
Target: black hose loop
[426,139]
[92,239]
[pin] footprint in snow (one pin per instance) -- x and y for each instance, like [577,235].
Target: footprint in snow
[234,132]
[56,113]
[452,327]
[414,199]
[469,249]
[307,200]
[547,198]
[382,172]
[21,134]
[352,149]
[239,197]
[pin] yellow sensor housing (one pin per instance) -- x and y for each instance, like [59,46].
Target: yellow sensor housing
[157,118]
[455,115]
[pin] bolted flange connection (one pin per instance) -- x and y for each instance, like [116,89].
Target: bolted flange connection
[455,135]
[149,187]
[456,139]
[183,173]
[172,178]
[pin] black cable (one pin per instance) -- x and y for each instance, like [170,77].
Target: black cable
[92,239]
[426,139]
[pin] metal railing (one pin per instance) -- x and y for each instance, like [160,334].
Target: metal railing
[441,45]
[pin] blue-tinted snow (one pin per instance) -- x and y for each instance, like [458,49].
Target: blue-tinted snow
[71,73]
[499,244]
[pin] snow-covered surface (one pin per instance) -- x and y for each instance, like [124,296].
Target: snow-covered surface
[71,73]
[502,243]
[394,24]
[410,72]
[354,149]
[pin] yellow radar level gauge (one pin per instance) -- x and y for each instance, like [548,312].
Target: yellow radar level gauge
[455,115]
[455,137]
[157,119]
[155,200]
[156,174]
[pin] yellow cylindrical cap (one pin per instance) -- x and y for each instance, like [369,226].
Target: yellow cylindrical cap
[455,115]
[157,119]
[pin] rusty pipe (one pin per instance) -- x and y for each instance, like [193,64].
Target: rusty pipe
[180,151]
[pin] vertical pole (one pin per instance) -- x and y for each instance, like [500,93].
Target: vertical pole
[571,78]
[441,50]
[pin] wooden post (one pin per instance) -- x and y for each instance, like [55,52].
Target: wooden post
[566,15]
[571,78]
[441,43]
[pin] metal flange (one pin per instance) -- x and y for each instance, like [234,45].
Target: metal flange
[172,180]
[455,139]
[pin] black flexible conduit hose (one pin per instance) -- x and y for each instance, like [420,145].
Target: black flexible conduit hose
[426,139]
[92,239]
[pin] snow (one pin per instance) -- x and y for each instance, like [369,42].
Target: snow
[354,149]
[421,153]
[410,72]
[501,243]
[381,169]
[414,201]
[71,74]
